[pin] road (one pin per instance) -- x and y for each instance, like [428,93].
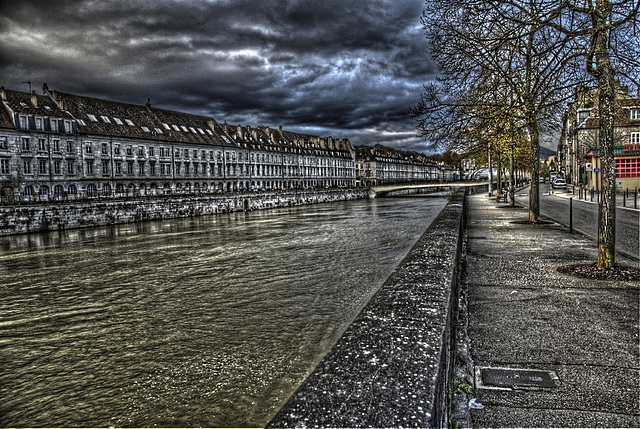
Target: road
[556,205]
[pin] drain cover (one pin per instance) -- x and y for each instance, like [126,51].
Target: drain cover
[509,377]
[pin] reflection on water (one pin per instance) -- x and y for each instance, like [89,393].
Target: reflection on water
[209,321]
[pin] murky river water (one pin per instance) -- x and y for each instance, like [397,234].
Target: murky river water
[211,321]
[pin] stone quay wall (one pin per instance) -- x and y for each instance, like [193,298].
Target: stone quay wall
[27,218]
[393,366]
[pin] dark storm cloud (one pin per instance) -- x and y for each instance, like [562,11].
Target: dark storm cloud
[334,67]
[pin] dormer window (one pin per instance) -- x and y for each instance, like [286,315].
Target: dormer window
[193,130]
[23,104]
[82,122]
[175,127]
[39,124]
[166,126]
[128,121]
[23,122]
[105,119]
[92,118]
[184,128]
[54,125]
[118,121]
[145,129]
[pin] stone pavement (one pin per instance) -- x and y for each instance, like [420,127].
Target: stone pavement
[525,315]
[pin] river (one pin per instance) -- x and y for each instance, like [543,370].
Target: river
[211,321]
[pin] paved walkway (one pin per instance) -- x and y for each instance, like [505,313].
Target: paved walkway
[525,315]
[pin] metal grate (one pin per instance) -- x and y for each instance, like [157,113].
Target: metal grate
[507,377]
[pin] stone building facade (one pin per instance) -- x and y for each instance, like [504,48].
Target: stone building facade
[578,151]
[380,165]
[59,146]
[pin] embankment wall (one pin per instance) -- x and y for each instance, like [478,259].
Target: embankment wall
[20,219]
[393,366]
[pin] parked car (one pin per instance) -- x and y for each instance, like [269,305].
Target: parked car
[559,183]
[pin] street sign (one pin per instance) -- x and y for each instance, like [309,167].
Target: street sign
[589,166]
[596,170]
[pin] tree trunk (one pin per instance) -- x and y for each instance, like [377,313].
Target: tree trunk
[599,65]
[512,179]
[490,172]
[500,192]
[534,194]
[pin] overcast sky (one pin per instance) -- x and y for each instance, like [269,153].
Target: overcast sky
[345,68]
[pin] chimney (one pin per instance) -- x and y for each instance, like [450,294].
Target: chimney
[3,94]
[225,127]
[34,99]
[45,89]
[148,105]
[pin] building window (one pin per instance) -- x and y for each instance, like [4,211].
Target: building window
[152,151]
[42,166]
[23,122]
[39,124]
[70,146]
[4,166]
[118,168]
[105,149]
[178,168]
[88,147]
[54,125]
[130,168]
[105,168]
[25,144]
[26,166]
[57,167]
[140,151]
[634,114]
[129,150]
[89,167]
[627,167]
[56,145]
[152,168]
[67,127]
[3,142]
[141,168]
[70,168]
[186,153]
[165,169]
[116,148]
[42,145]
[635,138]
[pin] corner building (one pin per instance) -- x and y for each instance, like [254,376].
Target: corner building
[60,146]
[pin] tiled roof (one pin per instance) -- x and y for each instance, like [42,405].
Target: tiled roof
[23,102]
[112,118]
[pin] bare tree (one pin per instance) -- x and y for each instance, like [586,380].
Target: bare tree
[607,25]
[499,56]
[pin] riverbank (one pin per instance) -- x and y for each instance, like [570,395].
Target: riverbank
[21,219]
[393,366]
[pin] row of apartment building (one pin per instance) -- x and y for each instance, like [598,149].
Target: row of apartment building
[58,146]
[378,165]
[578,149]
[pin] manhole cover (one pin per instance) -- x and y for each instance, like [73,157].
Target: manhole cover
[510,377]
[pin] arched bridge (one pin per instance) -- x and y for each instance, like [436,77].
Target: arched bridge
[382,190]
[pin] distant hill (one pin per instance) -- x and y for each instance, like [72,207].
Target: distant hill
[545,153]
